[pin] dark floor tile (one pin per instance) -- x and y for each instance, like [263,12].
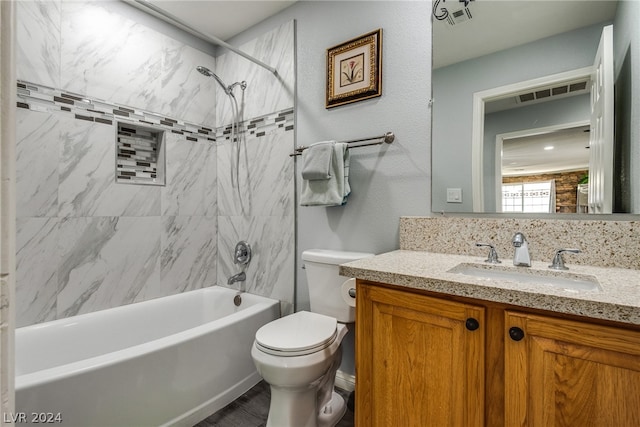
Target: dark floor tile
[251,410]
[348,418]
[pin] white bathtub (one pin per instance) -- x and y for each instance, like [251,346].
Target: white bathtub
[168,361]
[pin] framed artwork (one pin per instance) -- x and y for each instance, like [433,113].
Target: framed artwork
[354,70]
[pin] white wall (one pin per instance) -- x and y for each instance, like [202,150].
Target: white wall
[386,181]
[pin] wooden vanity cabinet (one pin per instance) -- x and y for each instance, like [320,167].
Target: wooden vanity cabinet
[419,360]
[427,360]
[566,373]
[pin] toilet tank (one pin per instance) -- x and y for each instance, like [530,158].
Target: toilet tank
[325,282]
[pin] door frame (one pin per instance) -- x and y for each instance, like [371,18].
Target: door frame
[477,132]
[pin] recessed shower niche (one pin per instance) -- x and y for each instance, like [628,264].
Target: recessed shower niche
[140,155]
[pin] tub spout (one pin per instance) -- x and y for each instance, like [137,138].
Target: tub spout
[240,277]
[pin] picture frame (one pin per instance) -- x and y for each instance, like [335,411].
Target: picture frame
[354,70]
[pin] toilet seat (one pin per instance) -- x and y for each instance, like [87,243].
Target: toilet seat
[298,334]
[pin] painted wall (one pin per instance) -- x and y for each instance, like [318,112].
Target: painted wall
[85,243]
[626,40]
[560,111]
[386,181]
[454,86]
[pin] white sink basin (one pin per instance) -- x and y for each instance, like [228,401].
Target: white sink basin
[567,281]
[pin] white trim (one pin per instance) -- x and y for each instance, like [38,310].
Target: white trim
[477,132]
[602,127]
[477,155]
[345,381]
[7,205]
[498,170]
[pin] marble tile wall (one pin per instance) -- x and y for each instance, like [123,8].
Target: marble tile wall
[603,243]
[261,210]
[38,42]
[86,243]
[265,91]
[90,47]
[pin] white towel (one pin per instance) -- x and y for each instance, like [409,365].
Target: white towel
[332,191]
[316,160]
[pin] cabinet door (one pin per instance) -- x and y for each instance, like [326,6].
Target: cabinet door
[419,362]
[567,373]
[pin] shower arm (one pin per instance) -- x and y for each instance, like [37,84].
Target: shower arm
[167,17]
[227,89]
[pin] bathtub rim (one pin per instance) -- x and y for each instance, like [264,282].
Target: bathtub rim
[69,370]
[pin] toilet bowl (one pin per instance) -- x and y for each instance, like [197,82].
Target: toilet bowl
[298,355]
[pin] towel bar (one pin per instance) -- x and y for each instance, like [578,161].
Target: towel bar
[387,137]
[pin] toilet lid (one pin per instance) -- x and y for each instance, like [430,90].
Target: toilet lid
[297,334]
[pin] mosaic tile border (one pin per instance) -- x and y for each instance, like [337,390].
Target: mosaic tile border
[259,126]
[42,98]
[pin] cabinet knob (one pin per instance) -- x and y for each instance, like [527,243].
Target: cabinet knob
[472,324]
[516,333]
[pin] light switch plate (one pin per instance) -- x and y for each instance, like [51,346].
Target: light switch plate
[454,195]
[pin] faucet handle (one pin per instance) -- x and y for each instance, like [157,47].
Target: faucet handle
[493,255]
[242,253]
[558,262]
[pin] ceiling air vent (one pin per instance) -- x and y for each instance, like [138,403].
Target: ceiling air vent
[556,90]
[459,16]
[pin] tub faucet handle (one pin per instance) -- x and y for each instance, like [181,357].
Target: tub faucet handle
[493,255]
[242,253]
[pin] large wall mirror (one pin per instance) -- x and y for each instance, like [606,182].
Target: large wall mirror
[536,106]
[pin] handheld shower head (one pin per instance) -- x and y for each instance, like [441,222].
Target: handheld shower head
[207,72]
[204,71]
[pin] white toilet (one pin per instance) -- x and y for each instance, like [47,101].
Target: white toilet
[299,354]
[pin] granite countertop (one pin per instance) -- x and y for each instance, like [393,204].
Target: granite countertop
[618,300]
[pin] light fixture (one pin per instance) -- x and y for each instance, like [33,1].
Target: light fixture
[452,14]
[548,147]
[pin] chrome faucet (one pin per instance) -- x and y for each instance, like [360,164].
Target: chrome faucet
[521,255]
[558,262]
[242,256]
[492,258]
[242,253]
[240,277]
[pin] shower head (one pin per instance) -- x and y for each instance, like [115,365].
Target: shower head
[207,72]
